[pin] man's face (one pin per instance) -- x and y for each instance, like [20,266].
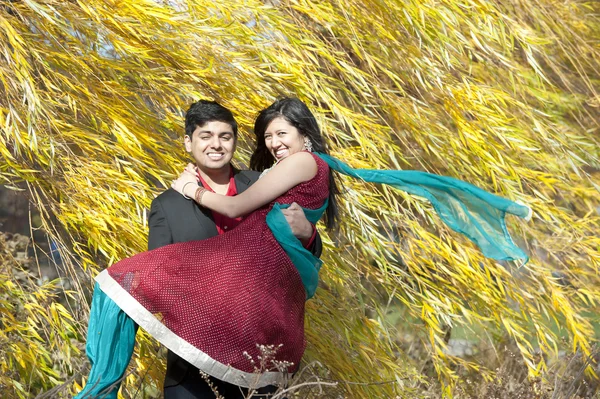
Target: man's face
[212,145]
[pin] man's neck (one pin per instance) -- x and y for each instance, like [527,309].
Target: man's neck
[217,179]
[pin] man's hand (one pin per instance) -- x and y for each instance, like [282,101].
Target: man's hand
[301,227]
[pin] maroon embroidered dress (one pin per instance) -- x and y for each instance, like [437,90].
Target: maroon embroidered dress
[214,300]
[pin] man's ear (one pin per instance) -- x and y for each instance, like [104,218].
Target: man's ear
[187,142]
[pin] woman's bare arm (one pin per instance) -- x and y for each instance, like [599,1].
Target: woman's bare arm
[290,172]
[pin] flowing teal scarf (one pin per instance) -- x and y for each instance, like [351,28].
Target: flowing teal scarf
[465,208]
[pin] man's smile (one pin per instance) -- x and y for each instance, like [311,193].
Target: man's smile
[215,156]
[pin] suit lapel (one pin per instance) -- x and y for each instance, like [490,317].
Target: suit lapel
[242,182]
[204,216]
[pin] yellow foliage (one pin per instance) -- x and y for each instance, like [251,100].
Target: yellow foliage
[501,94]
[38,337]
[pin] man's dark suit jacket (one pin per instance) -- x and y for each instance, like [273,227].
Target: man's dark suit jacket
[175,219]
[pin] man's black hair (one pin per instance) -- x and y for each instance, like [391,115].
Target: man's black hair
[204,111]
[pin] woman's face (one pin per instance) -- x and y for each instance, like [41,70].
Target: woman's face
[282,139]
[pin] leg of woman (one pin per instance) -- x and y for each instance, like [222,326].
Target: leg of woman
[110,343]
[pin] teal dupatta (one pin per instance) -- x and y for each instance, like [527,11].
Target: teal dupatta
[465,208]
[307,264]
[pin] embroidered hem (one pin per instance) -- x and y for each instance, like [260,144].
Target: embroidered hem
[178,345]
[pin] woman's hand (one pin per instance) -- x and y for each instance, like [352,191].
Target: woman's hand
[187,182]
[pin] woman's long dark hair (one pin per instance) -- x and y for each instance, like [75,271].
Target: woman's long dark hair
[298,115]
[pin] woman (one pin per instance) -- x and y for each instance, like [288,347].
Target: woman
[216,302]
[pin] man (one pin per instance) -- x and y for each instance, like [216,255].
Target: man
[210,138]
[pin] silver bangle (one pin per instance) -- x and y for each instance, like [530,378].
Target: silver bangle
[183,190]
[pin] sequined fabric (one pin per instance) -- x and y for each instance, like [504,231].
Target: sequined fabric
[224,295]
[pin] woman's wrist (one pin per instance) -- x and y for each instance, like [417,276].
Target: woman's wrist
[198,194]
[189,194]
